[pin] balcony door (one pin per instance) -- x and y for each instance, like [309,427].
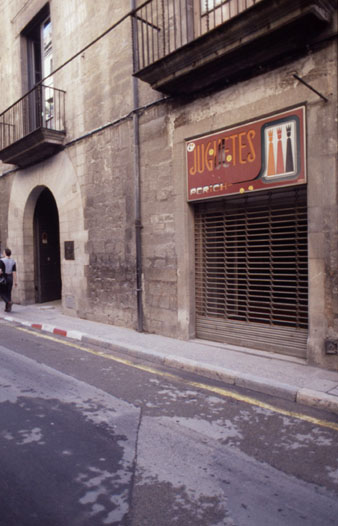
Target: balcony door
[40,65]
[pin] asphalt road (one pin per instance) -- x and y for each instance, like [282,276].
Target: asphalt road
[88,437]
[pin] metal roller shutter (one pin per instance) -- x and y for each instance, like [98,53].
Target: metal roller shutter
[252,271]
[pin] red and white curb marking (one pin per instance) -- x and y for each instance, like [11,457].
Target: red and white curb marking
[76,335]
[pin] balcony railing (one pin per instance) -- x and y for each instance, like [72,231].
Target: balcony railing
[33,128]
[42,107]
[186,46]
[163,26]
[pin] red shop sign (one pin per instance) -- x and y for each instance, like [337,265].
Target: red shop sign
[264,153]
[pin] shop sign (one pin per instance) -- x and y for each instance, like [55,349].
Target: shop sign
[265,153]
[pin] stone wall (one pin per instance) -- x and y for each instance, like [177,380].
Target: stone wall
[168,219]
[108,185]
[93,179]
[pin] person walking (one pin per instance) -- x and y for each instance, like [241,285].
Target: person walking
[10,274]
[3,286]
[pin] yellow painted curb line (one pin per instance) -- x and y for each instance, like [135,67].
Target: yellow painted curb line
[216,390]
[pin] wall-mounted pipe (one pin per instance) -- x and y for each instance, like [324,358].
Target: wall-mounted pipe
[137,181]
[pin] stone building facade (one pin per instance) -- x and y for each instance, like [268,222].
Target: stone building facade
[99,202]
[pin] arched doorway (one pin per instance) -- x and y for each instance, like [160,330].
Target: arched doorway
[47,273]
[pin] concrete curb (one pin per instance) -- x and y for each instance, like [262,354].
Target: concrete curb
[292,393]
[228,376]
[76,335]
[320,400]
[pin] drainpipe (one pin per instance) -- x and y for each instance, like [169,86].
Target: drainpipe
[136,168]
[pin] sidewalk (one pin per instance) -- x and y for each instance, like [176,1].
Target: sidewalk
[283,376]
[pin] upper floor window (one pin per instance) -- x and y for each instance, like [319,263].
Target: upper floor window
[38,38]
[208,5]
[38,35]
[47,50]
[215,12]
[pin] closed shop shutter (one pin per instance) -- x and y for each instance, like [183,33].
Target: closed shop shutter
[252,271]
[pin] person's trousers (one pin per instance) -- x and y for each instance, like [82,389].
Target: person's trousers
[4,294]
[9,278]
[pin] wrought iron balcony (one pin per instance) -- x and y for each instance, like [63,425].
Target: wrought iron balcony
[182,46]
[33,128]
